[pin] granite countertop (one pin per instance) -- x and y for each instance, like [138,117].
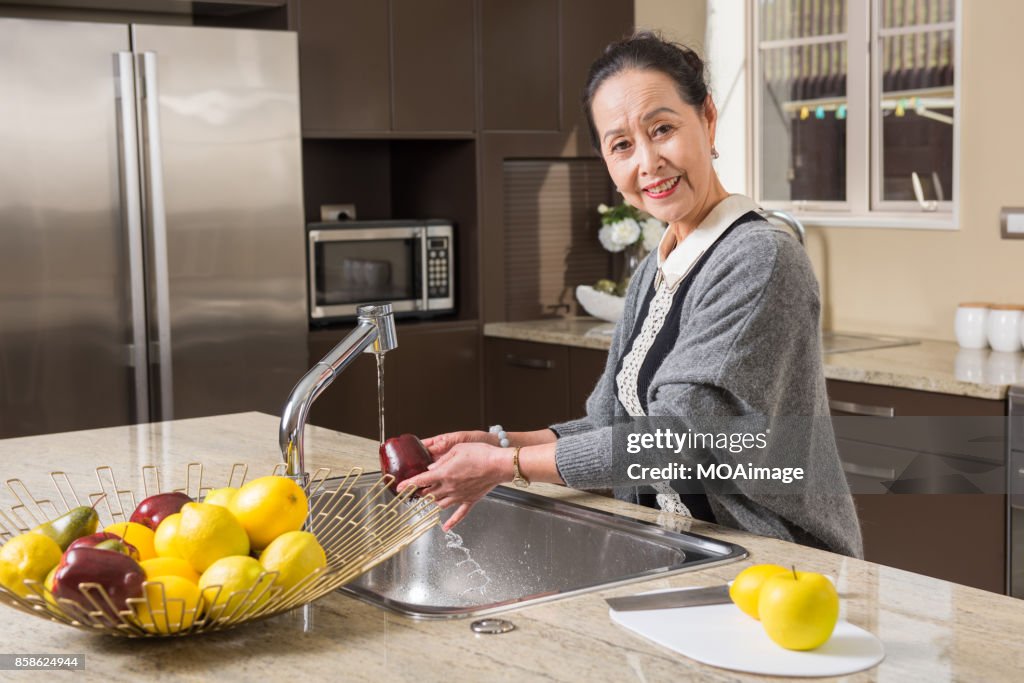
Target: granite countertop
[926,365]
[932,629]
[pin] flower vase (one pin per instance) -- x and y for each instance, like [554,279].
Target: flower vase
[633,254]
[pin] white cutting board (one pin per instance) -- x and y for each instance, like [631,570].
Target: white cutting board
[723,636]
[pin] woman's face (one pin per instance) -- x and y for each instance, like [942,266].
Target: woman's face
[656,146]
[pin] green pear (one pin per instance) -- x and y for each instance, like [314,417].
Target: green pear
[72,525]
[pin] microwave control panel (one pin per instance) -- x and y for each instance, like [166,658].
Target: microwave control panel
[437,267]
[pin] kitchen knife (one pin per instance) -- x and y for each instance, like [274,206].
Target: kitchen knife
[686,597]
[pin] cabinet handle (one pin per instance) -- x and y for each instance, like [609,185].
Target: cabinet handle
[861,409]
[885,473]
[523,362]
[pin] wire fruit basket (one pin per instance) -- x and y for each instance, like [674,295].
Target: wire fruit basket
[357,520]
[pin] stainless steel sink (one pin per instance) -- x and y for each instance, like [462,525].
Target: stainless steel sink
[517,548]
[835,342]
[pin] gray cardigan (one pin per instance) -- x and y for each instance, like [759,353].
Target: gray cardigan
[749,344]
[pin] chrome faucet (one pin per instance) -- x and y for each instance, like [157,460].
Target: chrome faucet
[375,333]
[789,219]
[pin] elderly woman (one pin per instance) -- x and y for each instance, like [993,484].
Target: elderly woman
[722,320]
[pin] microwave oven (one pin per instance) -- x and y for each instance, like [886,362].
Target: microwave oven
[410,264]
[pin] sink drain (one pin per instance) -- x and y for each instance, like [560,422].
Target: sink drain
[492,626]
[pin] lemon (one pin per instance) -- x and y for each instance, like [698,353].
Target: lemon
[138,535]
[165,540]
[169,566]
[27,556]
[222,497]
[48,584]
[268,507]
[207,533]
[227,584]
[746,587]
[294,555]
[170,604]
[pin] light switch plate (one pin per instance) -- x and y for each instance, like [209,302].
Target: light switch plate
[1011,222]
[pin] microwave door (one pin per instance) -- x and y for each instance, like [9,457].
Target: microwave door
[350,267]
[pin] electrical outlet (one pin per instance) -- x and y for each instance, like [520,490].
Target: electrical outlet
[337,212]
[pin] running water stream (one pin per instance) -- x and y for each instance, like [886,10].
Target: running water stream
[452,539]
[380,395]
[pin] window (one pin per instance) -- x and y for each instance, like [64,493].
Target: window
[850,137]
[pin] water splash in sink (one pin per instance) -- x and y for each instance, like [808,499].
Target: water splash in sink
[455,542]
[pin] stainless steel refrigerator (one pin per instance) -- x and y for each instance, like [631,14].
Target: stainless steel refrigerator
[151,223]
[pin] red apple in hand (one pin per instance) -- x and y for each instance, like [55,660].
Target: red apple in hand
[119,575]
[403,457]
[157,508]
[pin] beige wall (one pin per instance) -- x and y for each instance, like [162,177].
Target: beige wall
[680,20]
[908,282]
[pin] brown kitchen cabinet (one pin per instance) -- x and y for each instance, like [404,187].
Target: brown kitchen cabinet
[377,67]
[931,524]
[587,28]
[585,368]
[434,72]
[344,66]
[535,55]
[519,64]
[529,385]
[431,382]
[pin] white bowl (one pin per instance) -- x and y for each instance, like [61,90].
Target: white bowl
[600,305]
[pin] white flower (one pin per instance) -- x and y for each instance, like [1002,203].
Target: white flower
[619,235]
[602,208]
[653,230]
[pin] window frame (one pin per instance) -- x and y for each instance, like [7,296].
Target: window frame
[863,206]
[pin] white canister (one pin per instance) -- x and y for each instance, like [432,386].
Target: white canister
[969,325]
[1003,327]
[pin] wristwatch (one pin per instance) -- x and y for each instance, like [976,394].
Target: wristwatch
[517,477]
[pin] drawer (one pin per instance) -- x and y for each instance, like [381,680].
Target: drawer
[878,469]
[526,384]
[870,399]
[920,421]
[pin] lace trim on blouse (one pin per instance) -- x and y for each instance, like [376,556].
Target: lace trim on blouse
[629,395]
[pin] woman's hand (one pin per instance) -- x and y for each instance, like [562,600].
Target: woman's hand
[462,476]
[442,443]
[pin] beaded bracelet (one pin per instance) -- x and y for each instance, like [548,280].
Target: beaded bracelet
[502,435]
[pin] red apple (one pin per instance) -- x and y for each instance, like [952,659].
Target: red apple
[119,575]
[107,541]
[156,508]
[403,457]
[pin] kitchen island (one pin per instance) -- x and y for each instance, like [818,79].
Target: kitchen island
[932,630]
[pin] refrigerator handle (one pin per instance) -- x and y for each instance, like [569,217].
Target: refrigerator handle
[131,202]
[149,98]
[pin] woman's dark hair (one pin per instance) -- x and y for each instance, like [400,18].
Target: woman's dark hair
[646,50]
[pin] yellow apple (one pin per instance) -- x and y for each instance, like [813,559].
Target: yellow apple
[745,589]
[798,610]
